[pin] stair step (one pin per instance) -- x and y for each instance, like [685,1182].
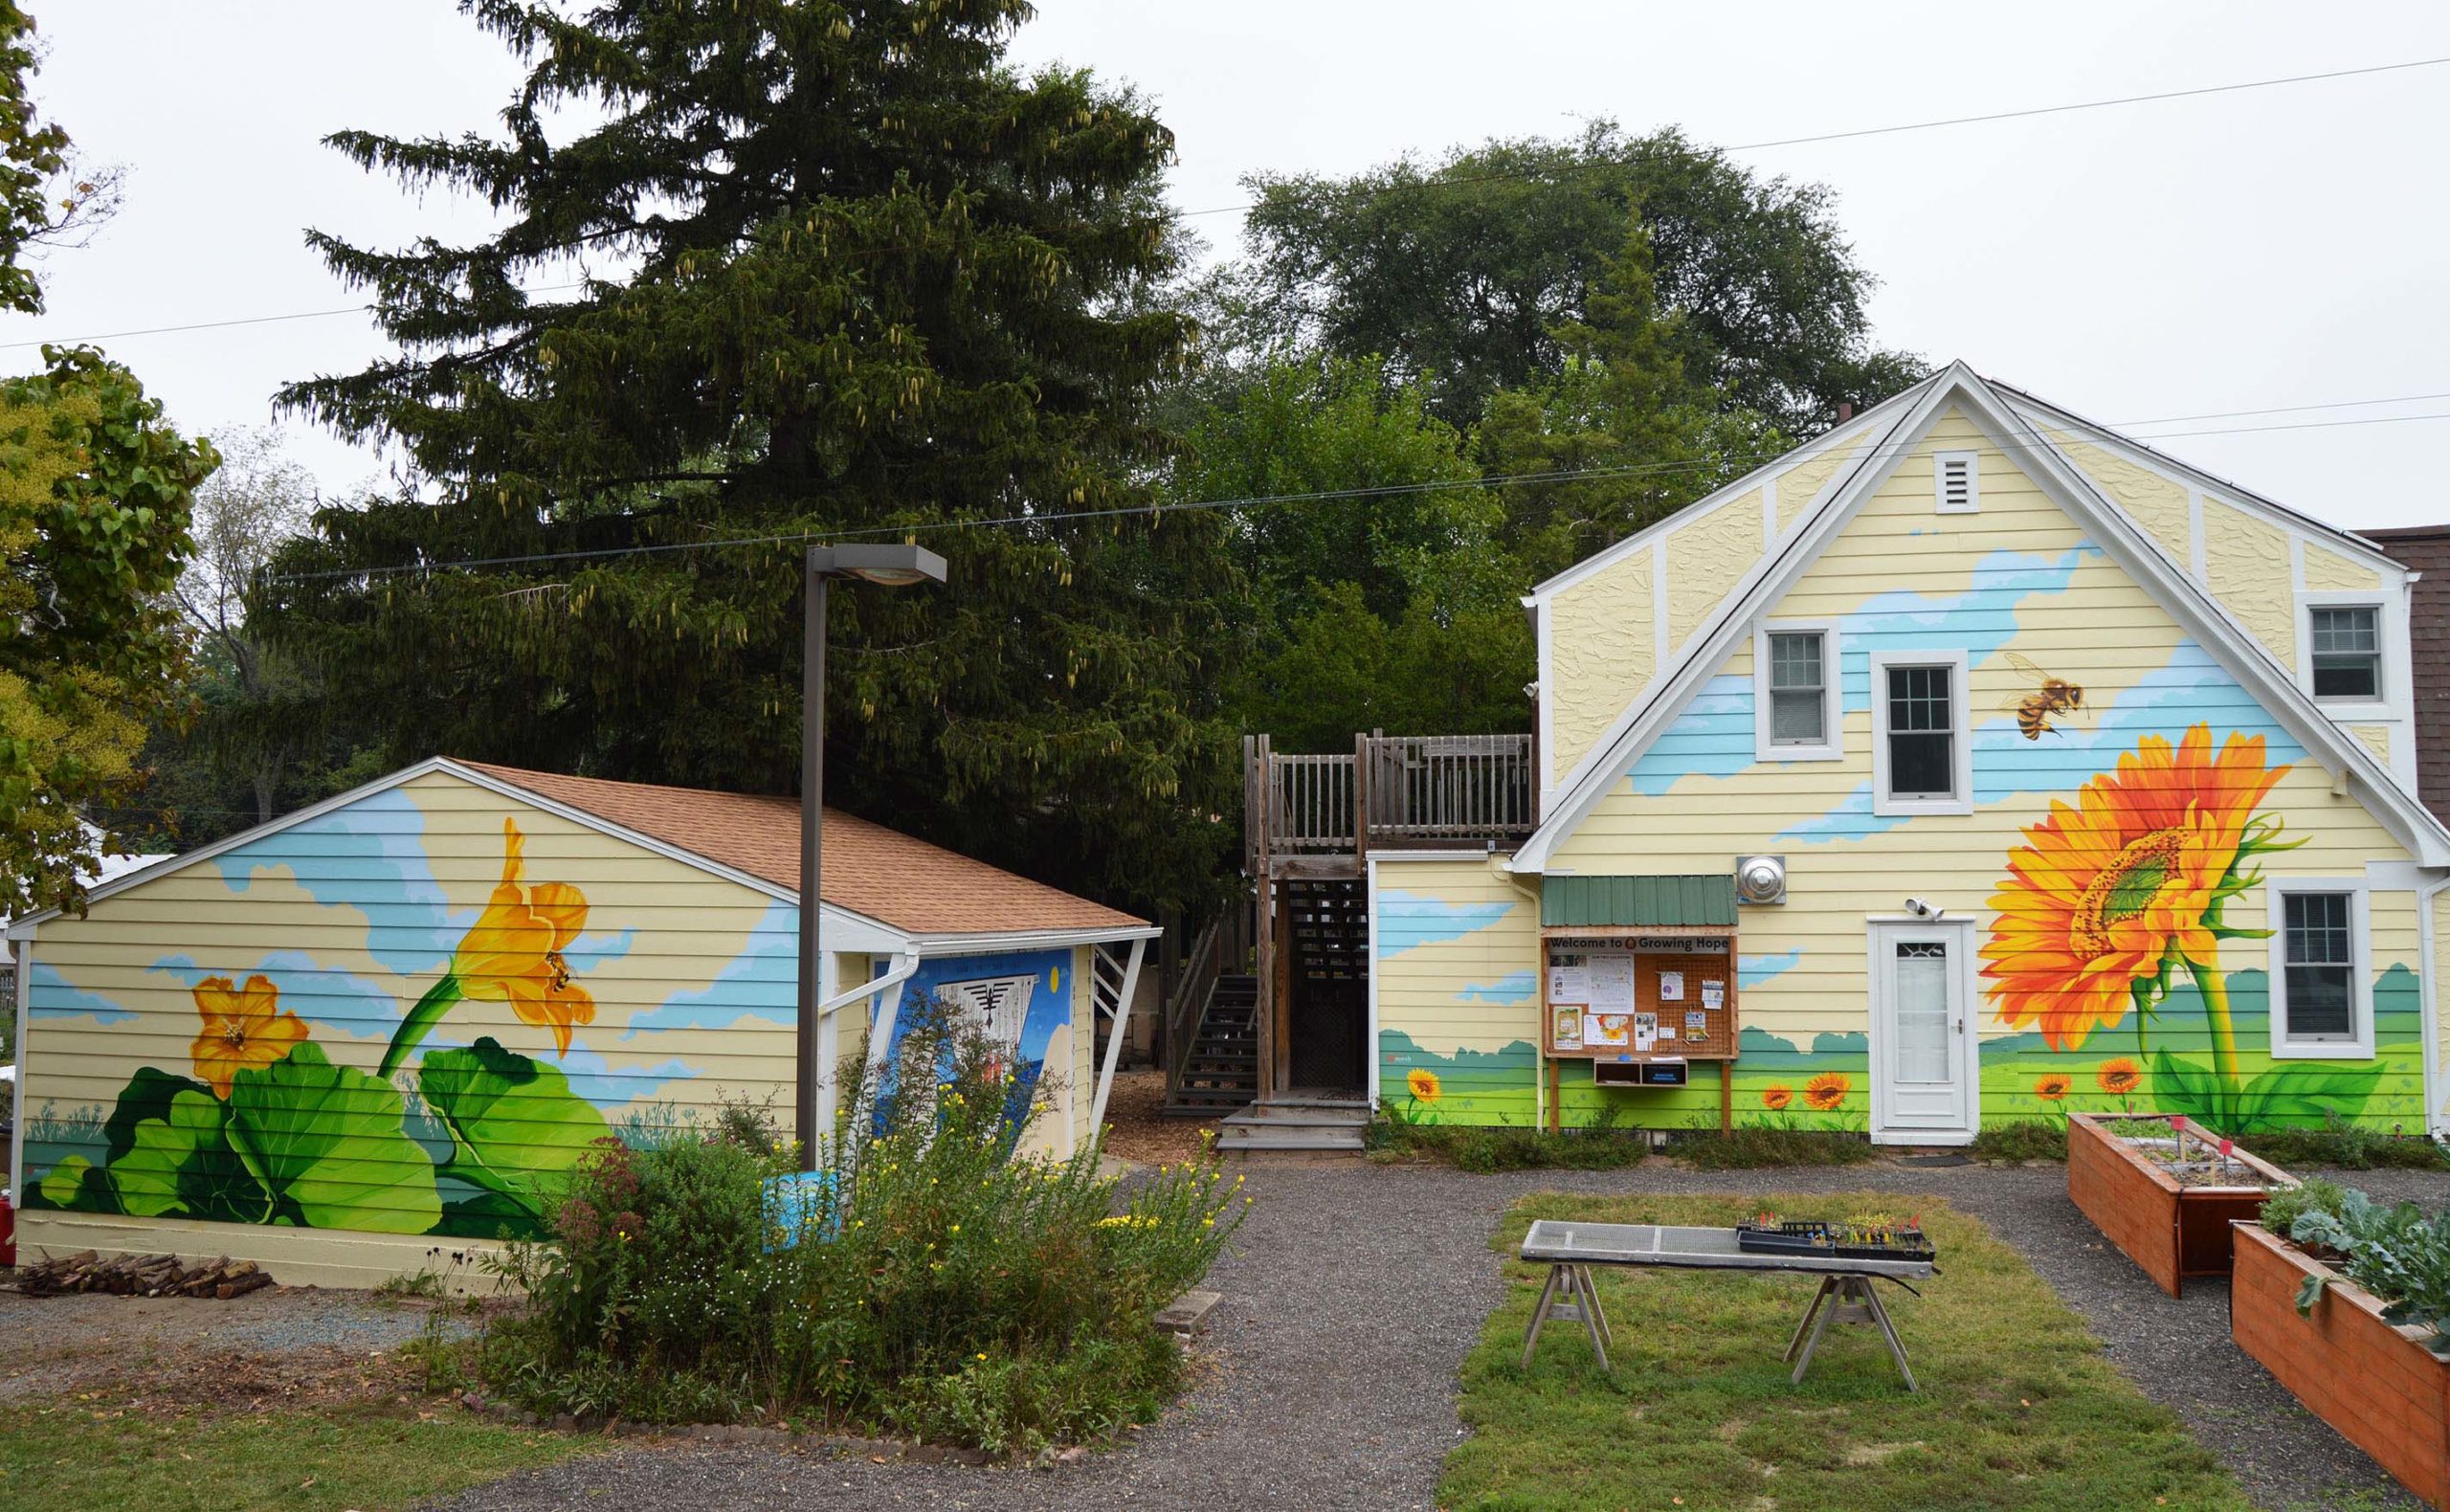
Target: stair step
[1231,1137]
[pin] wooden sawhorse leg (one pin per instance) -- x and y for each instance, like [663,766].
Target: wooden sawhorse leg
[1845,1298]
[1569,1295]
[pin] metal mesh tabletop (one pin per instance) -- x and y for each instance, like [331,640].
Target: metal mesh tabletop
[1561,1241]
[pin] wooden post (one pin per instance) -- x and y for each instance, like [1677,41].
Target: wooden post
[1361,802]
[1258,788]
[1727,1097]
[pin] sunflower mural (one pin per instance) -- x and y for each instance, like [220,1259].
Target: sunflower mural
[269,1130]
[2110,921]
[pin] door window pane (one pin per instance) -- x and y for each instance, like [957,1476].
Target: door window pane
[1922,733]
[2320,960]
[1798,680]
[2346,653]
[1921,982]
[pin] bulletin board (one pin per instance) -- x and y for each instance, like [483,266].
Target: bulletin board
[1638,994]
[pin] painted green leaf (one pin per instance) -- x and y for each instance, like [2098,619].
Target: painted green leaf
[147,1178]
[326,1145]
[76,1185]
[2303,1092]
[2180,1087]
[520,1130]
[148,1094]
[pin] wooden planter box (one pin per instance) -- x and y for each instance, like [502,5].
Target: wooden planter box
[2172,1231]
[2383,1391]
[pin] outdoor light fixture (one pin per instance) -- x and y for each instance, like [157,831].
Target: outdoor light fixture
[1761,879]
[1923,910]
[890,565]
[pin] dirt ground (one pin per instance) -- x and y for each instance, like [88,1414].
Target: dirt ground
[280,1348]
[1138,1132]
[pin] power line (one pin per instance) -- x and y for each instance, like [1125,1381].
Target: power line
[1243,502]
[1952,120]
[1473,178]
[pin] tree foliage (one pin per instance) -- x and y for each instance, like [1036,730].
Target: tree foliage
[874,284]
[94,499]
[1463,274]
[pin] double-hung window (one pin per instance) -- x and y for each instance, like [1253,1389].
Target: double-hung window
[2344,644]
[2322,1002]
[1922,754]
[1795,691]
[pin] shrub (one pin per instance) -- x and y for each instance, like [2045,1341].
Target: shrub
[1754,1145]
[940,1286]
[2341,1146]
[1482,1149]
[2022,1140]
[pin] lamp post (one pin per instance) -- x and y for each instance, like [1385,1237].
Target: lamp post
[892,567]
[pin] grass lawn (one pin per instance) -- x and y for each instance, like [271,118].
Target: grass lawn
[2018,1407]
[66,1459]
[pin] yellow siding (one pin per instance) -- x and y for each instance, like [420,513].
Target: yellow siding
[1706,557]
[2152,499]
[1603,638]
[2376,738]
[2333,569]
[1800,484]
[2018,576]
[2245,563]
[1453,974]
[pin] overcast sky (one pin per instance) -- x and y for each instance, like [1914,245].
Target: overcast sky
[2249,251]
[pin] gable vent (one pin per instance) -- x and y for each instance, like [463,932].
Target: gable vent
[1959,482]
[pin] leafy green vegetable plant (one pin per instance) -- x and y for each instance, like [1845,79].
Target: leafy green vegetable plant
[2396,1252]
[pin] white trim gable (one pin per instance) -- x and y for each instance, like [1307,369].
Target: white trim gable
[844,929]
[2352,765]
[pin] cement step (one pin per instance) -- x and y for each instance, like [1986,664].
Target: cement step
[1247,1137]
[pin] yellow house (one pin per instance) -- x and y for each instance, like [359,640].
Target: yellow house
[1967,763]
[399,1017]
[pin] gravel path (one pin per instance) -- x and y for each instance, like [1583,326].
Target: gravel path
[1354,1292]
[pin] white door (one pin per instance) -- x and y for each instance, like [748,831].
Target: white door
[1922,1033]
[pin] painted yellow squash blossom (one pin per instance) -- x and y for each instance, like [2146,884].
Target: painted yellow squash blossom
[242,1029]
[514,955]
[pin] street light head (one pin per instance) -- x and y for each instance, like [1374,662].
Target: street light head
[893,566]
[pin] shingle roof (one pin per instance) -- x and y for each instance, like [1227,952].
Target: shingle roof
[882,873]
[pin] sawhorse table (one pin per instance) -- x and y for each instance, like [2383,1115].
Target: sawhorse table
[1571,1249]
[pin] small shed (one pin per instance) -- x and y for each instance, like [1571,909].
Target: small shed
[403,1016]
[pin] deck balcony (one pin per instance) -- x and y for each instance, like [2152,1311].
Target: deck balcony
[1317,817]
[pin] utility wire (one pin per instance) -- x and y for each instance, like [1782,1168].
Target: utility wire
[1477,178]
[1242,501]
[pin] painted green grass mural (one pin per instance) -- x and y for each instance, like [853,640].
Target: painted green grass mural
[269,1130]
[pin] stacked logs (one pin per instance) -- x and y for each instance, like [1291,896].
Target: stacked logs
[138,1275]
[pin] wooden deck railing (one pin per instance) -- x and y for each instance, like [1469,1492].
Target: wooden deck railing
[1406,791]
[1201,966]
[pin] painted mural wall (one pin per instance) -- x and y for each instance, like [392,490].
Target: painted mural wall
[411,1015]
[1034,1002]
[2114,858]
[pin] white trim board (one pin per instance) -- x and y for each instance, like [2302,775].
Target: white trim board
[2118,537]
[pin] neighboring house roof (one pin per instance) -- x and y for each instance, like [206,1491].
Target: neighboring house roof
[1900,422]
[882,873]
[2426,549]
[905,888]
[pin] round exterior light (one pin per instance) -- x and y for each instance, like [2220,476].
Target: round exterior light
[1761,878]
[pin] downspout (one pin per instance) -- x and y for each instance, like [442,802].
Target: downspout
[22,948]
[1114,1039]
[2428,999]
[880,1040]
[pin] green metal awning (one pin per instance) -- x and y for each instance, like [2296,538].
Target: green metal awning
[1656,902]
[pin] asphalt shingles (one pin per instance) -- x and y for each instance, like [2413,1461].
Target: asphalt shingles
[1351,1296]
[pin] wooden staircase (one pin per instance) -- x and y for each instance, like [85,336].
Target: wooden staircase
[1220,1067]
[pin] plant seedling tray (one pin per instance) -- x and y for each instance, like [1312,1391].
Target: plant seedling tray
[1804,1237]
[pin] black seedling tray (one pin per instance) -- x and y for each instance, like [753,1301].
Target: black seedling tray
[1805,1238]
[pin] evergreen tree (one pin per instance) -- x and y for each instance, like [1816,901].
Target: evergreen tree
[874,284]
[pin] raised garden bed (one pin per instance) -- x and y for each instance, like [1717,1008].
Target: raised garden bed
[2162,1190]
[2373,1381]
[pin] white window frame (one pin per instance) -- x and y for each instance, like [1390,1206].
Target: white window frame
[1833,698]
[1961,707]
[1972,461]
[2390,632]
[2360,980]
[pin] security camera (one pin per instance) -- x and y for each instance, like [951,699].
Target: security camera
[1923,910]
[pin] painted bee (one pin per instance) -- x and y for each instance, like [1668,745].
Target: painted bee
[2050,697]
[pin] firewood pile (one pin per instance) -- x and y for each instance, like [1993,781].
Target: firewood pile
[138,1275]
